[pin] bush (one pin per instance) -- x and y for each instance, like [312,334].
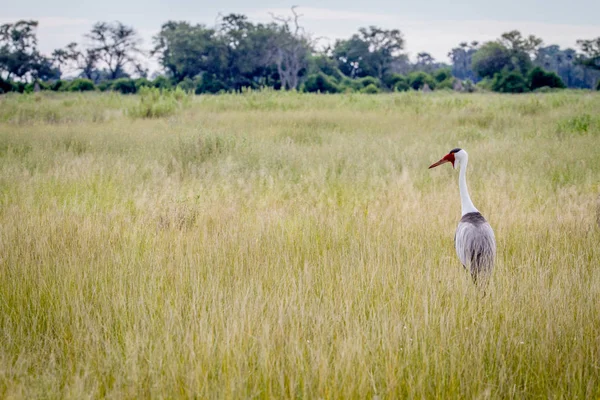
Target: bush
[539,78]
[442,74]
[327,66]
[81,85]
[491,58]
[59,85]
[362,83]
[446,84]
[162,82]
[210,84]
[598,85]
[352,85]
[347,85]
[30,87]
[510,82]
[469,86]
[5,86]
[124,86]
[104,86]
[156,103]
[188,85]
[391,80]
[142,82]
[485,84]
[321,83]
[417,80]
[544,89]
[370,89]
[401,86]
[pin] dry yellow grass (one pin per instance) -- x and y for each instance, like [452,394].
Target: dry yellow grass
[274,245]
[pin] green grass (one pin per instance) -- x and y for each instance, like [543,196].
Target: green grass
[277,245]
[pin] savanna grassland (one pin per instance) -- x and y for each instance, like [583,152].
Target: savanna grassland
[278,245]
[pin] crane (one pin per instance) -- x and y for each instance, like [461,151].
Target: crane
[474,238]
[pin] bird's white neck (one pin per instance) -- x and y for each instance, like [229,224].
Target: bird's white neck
[466,204]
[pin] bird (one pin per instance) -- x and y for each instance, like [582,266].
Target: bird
[474,239]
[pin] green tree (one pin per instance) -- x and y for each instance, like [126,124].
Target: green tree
[512,52]
[124,85]
[490,59]
[516,43]
[249,52]
[322,62]
[510,82]
[371,52]
[425,62]
[320,82]
[442,74]
[566,63]
[19,56]
[418,79]
[83,61]
[591,53]
[539,78]
[462,58]
[117,47]
[81,85]
[186,50]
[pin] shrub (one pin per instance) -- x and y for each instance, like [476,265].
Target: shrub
[442,74]
[188,85]
[156,103]
[580,124]
[598,85]
[510,82]
[59,85]
[5,86]
[367,81]
[417,80]
[81,85]
[347,85]
[447,84]
[401,86]
[162,82]
[142,82]
[124,85]
[30,87]
[485,84]
[370,89]
[358,84]
[469,86]
[544,89]
[539,78]
[104,86]
[320,82]
[326,65]
[210,84]
[391,80]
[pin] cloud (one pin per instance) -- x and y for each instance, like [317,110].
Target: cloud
[321,14]
[436,36]
[52,22]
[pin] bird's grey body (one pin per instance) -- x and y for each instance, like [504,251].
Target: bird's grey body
[474,238]
[475,245]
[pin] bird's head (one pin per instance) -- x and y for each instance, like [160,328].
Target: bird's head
[454,156]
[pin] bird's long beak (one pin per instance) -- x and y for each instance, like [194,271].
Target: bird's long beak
[442,161]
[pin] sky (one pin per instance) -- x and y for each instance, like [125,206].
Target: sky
[435,26]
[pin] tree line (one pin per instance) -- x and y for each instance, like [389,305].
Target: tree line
[237,53]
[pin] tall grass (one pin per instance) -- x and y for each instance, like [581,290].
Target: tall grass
[283,245]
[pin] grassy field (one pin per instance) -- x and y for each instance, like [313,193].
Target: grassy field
[276,245]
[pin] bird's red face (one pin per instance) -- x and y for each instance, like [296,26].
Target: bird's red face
[447,158]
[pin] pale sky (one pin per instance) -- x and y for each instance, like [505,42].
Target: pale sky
[434,26]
